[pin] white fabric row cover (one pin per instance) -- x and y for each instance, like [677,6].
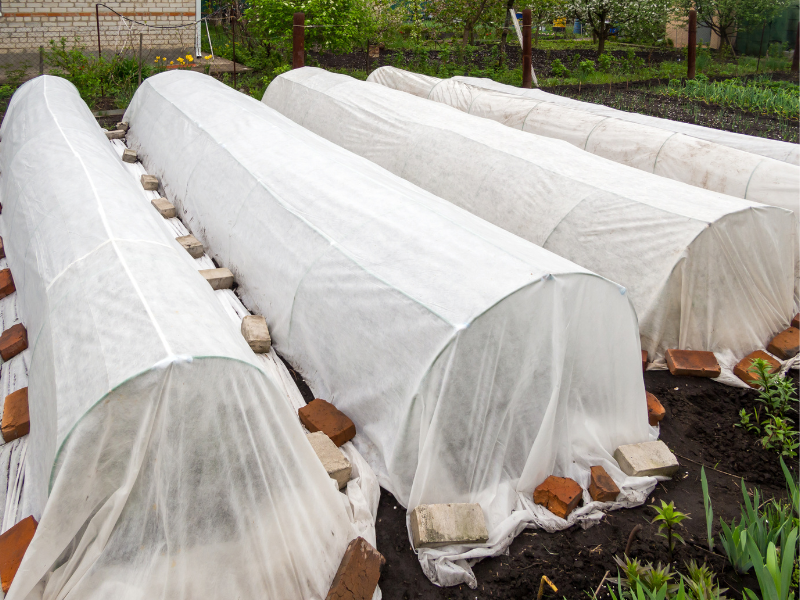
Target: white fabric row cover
[705,271]
[676,155]
[162,460]
[473,363]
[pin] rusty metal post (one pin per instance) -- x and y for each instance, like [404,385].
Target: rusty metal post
[233,42]
[527,80]
[97,18]
[41,60]
[140,59]
[795,64]
[692,46]
[299,40]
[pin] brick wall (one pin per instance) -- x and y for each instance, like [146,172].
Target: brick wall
[27,24]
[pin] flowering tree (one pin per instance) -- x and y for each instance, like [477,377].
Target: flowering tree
[602,15]
[467,13]
[545,11]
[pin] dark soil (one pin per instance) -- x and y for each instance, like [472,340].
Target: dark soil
[642,97]
[699,428]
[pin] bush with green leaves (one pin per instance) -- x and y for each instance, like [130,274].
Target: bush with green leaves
[586,68]
[557,69]
[604,62]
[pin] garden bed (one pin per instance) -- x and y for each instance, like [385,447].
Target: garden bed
[699,427]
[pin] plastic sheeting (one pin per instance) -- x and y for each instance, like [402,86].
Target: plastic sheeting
[705,271]
[473,363]
[162,460]
[652,147]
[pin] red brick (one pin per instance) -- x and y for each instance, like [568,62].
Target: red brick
[655,411]
[2,249]
[358,572]
[13,341]
[559,495]
[786,344]
[644,360]
[695,363]
[16,419]
[602,488]
[13,544]
[319,415]
[796,321]
[741,370]
[6,283]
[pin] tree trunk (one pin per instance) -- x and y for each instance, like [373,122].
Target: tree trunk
[601,38]
[504,35]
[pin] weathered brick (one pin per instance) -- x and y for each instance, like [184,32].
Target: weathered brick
[115,134]
[358,572]
[150,183]
[129,156]
[6,283]
[741,370]
[219,279]
[164,207]
[13,341]
[646,459]
[335,462]
[256,333]
[786,344]
[320,415]
[695,363]
[123,126]
[644,360]
[602,488]
[191,244]
[655,410]
[796,321]
[559,495]
[13,544]
[16,418]
[2,249]
[436,525]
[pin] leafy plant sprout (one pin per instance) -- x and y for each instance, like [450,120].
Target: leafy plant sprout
[668,518]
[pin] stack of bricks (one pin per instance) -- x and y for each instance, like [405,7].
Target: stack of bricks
[27,24]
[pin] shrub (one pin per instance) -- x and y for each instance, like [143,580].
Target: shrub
[557,69]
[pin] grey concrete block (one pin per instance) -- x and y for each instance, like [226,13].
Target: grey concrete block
[646,459]
[333,459]
[219,279]
[164,207]
[256,333]
[116,134]
[129,156]
[150,183]
[191,244]
[123,126]
[434,525]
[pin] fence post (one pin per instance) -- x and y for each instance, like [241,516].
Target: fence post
[692,46]
[233,42]
[97,18]
[795,64]
[41,60]
[527,80]
[299,40]
[140,59]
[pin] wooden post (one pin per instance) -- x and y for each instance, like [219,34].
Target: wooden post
[233,42]
[692,49]
[140,59]
[796,49]
[299,40]
[527,80]
[41,60]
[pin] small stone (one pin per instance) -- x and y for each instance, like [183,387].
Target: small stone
[164,207]
[358,572]
[742,369]
[796,321]
[13,341]
[191,244]
[559,495]
[129,156]
[435,525]
[2,249]
[13,544]
[695,363]
[6,283]
[333,459]
[16,418]
[123,126]
[116,134]
[150,183]
[644,360]
[219,279]
[786,344]
[319,415]
[602,488]
[256,333]
[647,459]
[655,410]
